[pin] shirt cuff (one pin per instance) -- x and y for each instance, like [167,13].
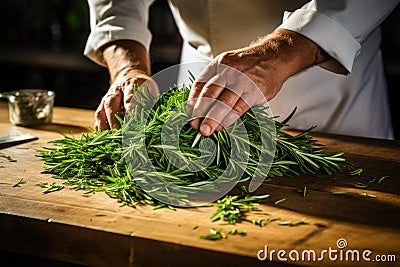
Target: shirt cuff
[336,40]
[110,31]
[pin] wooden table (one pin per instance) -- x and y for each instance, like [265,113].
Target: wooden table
[65,225]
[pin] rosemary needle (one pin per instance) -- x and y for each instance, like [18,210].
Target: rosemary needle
[356,172]
[279,201]
[382,178]
[21,181]
[290,223]
[303,191]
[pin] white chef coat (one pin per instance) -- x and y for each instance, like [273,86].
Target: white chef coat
[348,30]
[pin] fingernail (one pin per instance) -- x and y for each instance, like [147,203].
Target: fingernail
[205,129]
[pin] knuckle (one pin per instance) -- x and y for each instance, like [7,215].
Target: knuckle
[210,91]
[239,109]
[223,58]
[228,101]
[198,86]
[98,114]
[198,111]
[108,103]
[128,100]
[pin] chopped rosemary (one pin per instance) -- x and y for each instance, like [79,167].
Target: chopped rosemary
[264,222]
[354,194]
[356,172]
[50,187]
[218,234]
[382,178]
[242,233]
[261,222]
[21,181]
[232,209]
[9,158]
[214,235]
[367,195]
[233,232]
[372,179]
[360,185]
[279,201]
[303,191]
[290,223]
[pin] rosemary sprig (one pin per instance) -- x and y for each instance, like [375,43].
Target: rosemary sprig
[50,187]
[7,157]
[96,162]
[21,181]
[356,172]
[290,223]
[232,209]
[279,201]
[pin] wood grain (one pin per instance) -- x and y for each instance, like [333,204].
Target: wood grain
[66,225]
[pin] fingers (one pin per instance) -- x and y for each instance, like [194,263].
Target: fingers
[222,116]
[197,87]
[219,110]
[120,97]
[211,91]
[237,111]
[219,104]
[214,103]
[100,118]
[110,105]
[147,84]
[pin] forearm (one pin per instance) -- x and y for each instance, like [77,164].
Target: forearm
[291,51]
[126,56]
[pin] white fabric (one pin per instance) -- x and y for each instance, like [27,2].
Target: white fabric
[355,104]
[117,20]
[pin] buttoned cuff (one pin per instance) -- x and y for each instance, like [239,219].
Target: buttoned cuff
[110,30]
[336,40]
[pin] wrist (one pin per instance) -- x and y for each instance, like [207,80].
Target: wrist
[126,57]
[290,51]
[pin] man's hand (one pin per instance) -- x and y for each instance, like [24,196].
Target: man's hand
[266,65]
[118,100]
[129,65]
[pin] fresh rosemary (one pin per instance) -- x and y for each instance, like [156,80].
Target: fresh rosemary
[96,162]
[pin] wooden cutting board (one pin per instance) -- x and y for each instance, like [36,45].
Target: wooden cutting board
[94,230]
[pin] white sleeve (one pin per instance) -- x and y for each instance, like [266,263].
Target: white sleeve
[338,27]
[117,20]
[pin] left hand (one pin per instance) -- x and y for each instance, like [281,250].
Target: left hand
[221,94]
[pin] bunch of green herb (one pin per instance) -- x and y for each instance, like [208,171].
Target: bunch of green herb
[232,209]
[97,161]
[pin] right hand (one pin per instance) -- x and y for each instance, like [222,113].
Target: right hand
[119,98]
[129,65]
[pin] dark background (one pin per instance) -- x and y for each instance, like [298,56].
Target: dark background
[42,46]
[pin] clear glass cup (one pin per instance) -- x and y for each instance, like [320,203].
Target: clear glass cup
[30,107]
